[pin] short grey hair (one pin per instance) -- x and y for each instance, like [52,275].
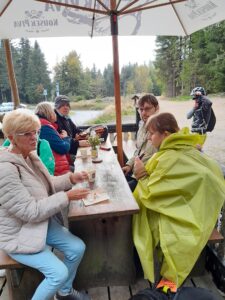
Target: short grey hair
[44,110]
[19,121]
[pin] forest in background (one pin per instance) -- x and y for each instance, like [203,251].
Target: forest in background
[181,63]
[197,60]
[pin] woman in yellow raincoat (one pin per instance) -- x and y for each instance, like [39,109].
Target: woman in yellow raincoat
[180,199]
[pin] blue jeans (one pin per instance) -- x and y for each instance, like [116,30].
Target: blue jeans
[59,275]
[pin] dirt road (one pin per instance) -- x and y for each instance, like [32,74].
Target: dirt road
[215,142]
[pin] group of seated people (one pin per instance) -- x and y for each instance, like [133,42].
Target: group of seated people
[59,138]
[178,188]
[61,133]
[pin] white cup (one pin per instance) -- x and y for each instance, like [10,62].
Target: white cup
[83,153]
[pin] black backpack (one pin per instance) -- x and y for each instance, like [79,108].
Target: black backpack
[183,293]
[212,121]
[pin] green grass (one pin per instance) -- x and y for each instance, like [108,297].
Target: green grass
[88,105]
[180,98]
[110,116]
[103,119]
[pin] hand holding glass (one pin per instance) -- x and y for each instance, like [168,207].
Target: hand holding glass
[78,177]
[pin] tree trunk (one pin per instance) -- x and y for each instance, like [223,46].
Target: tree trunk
[11,73]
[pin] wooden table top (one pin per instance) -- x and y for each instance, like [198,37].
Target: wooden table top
[110,178]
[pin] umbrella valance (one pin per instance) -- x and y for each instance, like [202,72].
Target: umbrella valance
[45,18]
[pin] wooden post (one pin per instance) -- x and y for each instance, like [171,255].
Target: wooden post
[114,32]
[11,73]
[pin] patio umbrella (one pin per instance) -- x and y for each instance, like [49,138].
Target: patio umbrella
[49,18]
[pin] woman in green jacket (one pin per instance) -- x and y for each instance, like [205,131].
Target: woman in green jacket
[180,197]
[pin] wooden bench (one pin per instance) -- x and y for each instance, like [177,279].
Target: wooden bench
[6,262]
[22,280]
[199,267]
[215,237]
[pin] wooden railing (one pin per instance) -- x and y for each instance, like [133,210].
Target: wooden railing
[129,131]
[128,127]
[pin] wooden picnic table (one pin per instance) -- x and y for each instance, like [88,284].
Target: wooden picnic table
[105,227]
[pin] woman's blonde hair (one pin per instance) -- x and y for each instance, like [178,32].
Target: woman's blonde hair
[44,110]
[19,121]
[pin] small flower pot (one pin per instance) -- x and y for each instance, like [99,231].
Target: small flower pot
[94,153]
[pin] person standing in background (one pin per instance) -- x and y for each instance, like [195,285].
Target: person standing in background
[201,112]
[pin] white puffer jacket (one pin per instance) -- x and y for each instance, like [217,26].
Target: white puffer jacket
[25,206]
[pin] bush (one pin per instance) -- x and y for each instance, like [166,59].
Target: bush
[79,98]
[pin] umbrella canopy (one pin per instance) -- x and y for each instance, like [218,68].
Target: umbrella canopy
[54,18]
[45,18]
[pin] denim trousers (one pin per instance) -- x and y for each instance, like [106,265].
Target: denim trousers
[59,275]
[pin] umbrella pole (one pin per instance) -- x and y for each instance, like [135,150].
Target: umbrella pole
[11,73]
[114,31]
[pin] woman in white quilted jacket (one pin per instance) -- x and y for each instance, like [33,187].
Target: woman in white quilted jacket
[30,204]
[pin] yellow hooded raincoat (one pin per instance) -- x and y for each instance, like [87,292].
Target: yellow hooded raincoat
[179,204]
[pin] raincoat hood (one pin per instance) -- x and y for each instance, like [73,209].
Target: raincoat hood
[182,139]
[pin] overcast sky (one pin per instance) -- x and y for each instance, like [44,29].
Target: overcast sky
[98,50]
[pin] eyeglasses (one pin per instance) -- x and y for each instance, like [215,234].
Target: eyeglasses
[29,134]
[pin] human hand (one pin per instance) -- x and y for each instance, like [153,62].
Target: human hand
[126,169]
[196,105]
[139,168]
[63,134]
[84,143]
[78,177]
[77,194]
[81,136]
[199,147]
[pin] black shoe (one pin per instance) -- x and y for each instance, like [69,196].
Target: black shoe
[75,295]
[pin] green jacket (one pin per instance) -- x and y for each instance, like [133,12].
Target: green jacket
[44,152]
[179,202]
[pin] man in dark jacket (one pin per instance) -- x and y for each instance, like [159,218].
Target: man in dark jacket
[201,111]
[64,122]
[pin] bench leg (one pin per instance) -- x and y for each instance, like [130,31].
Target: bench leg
[22,283]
